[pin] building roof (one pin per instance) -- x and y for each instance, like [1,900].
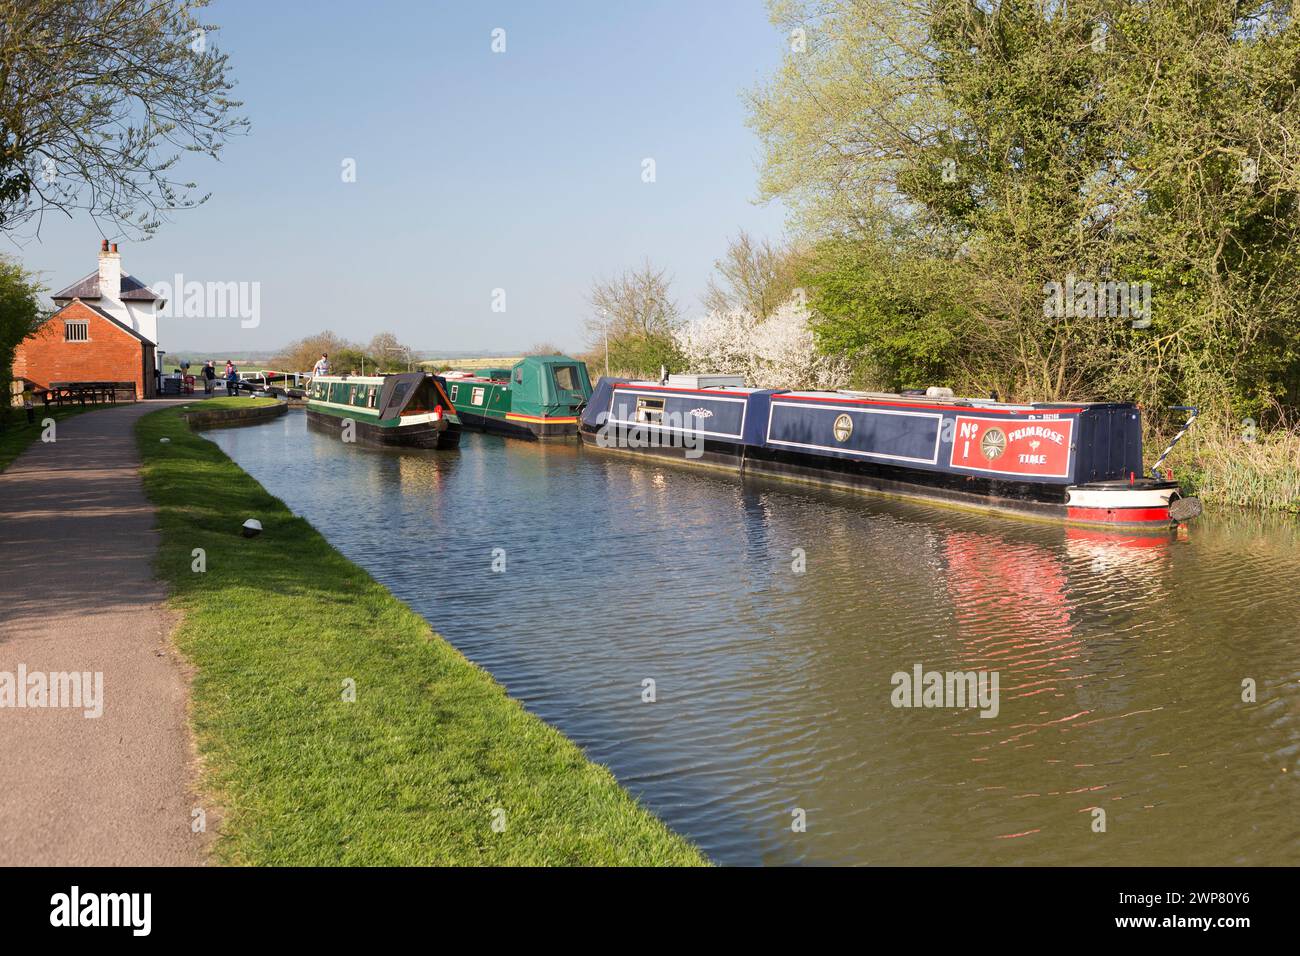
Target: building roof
[100,312]
[133,290]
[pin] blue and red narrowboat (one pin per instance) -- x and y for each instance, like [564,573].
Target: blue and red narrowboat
[1075,462]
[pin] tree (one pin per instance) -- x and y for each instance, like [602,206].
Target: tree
[98,101]
[544,348]
[20,315]
[388,352]
[301,356]
[1024,146]
[352,359]
[638,315]
[901,319]
[778,351]
[754,276]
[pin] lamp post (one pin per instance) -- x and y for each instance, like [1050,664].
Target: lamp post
[605,313]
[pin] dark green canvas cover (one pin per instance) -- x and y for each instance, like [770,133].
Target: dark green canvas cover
[548,385]
[399,391]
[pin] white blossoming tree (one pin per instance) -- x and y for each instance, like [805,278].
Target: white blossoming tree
[776,352]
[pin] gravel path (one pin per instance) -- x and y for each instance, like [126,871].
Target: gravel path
[78,593]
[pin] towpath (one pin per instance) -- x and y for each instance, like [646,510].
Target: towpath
[78,594]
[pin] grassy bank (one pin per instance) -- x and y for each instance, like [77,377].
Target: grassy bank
[16,435]
[431,752]
[1220,466]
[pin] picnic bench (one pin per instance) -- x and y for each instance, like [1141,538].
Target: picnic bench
[86,393]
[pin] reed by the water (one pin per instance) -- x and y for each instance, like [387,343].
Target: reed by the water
[1230,463]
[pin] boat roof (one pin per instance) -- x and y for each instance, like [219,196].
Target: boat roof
[933,399]
[359,379]
[470,377]
[946,401]
[485,374]
[729,389]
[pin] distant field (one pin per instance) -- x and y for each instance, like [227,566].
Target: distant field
[472,363]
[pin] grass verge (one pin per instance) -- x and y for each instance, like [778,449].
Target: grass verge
[417,769]
[16,435]
[1224,468]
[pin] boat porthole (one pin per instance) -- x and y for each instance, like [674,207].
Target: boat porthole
[843,428]
[993,444]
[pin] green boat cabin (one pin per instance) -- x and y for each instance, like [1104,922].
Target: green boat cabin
[539,397]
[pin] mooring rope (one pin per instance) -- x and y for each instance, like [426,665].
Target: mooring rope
[1155,469]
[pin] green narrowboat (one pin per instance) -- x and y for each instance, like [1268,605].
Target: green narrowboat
[410,410]
[540,397]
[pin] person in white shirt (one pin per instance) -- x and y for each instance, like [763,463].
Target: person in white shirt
[322,366]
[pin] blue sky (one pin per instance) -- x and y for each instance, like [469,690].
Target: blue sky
[475,171]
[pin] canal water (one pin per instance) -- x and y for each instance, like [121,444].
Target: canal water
[772,618]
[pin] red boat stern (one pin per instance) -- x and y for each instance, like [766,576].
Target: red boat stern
[1144,503]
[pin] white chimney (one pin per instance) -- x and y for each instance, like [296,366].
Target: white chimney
[110,272]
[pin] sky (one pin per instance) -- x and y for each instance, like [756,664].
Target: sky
[475,171]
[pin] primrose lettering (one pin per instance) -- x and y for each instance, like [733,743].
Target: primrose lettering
[1038,431]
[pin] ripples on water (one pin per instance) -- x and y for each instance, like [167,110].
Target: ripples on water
[1120,660]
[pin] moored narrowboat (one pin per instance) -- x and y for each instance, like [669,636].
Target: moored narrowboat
[537,398]
[411,410]
[1075,462]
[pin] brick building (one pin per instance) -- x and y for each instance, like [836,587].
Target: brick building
[105,329]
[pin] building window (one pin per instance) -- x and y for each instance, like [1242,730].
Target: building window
[76,331]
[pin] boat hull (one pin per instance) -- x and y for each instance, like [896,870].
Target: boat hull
[1145,505]
[529,428]
[439,435]
[1079,464]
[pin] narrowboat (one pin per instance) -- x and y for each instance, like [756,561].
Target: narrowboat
[1080,463]
[538,398]
[410,410]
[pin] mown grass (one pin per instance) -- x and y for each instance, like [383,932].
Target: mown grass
[16,434]
[1220,466]
[417,768]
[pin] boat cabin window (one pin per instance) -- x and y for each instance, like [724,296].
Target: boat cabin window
[477,398]
[519,376]
[454,389]
[650,410]
[566,376]
[372,399]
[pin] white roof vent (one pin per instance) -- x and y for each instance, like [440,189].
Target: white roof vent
[707,381]
[935,391]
